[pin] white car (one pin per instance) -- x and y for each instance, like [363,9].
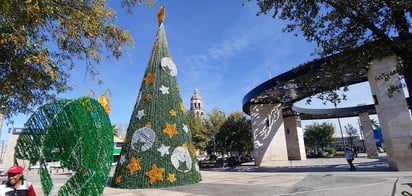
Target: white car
[201,157]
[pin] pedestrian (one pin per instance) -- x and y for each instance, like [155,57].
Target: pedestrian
[356,151]
[349,158]
[16,184]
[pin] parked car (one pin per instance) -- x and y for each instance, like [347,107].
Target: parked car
[201,157]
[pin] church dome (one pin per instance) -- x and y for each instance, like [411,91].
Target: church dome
[196,96]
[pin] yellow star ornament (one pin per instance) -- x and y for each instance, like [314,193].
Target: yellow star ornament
[170,129]
[134,165]
[172,177]
[172,112]
[182,107]
[148,97]
[156,46]
[155,174]
[118,179]
[193,150]
[149,79]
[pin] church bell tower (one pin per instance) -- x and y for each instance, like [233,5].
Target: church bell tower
[196,105]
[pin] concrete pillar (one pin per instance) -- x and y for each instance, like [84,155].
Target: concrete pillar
[294,138]
[393,114]
[268,134]
[368,137]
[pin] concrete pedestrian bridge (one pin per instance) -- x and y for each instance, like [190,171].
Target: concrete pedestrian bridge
[276,122]
[285,88]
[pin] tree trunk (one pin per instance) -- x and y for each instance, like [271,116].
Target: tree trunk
[406,56]
[408,80]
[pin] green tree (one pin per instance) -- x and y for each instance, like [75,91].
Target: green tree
[42,41]
[319,135]
[352,132]
[158,149]
[235,134]
[200,133]
[216,118]
[242,139]
[116,130]
[341,26]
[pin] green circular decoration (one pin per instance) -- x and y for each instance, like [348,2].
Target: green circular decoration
[76,132]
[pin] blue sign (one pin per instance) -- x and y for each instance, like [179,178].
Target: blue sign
[378,135]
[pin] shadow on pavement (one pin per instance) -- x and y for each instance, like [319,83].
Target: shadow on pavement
[375,165]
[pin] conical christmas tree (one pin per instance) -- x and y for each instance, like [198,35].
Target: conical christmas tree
[158,149]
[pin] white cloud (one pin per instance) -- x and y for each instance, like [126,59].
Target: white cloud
[235,44]
[196,59]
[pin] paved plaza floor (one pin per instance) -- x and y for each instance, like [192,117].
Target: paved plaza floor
[313,177]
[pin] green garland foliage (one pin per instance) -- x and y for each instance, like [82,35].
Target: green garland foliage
[158,149]
[78,134]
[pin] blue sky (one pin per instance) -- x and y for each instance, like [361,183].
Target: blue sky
[221,48]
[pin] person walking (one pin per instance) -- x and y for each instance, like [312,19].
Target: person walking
[349,158]
[356,151]
[16,185]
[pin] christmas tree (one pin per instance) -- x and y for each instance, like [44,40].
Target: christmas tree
[158,149]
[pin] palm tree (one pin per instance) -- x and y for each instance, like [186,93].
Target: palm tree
[375,124]
[352,132]
[115,130]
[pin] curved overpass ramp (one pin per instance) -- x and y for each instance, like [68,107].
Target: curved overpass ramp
[274,99]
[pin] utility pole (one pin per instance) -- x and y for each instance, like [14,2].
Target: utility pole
[340,128]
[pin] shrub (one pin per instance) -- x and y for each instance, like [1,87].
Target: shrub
[330,150]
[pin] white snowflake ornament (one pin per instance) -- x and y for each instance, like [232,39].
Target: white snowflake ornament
[140,114]
[163,150]
[122,159]
[165,90]
[185,128]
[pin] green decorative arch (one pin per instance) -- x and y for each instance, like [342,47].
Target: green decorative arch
[76,132]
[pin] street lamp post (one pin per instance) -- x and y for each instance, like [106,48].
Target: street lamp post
[340,128]
[341,133]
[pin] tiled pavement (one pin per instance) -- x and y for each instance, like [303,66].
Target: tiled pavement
[322,176]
